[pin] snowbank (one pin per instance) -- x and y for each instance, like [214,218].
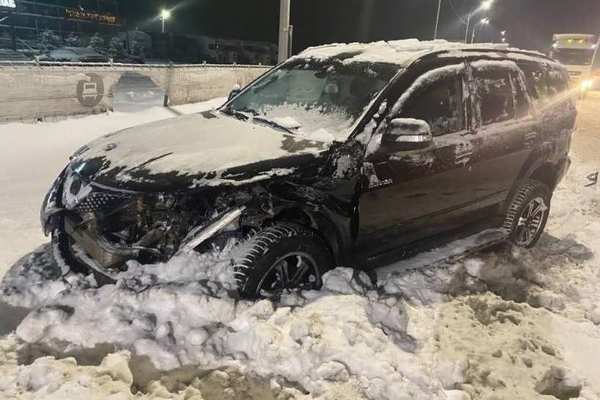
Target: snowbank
[504,324]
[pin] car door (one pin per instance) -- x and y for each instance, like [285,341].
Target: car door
[409,190]
[506,128]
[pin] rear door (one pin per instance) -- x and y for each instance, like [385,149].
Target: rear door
[506,128]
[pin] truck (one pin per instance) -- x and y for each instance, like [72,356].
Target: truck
[575,51]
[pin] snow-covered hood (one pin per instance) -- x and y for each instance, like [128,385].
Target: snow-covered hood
[194,151]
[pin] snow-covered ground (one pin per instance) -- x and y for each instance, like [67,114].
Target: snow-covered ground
[504,324]
[34,154]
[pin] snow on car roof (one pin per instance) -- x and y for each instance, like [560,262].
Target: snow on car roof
[399,52]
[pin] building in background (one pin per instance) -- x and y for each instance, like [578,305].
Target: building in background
[30,25]
[35,28]
[198,49]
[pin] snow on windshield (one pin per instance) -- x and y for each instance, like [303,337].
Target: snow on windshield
[320,101]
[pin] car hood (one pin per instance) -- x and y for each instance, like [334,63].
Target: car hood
[194,151]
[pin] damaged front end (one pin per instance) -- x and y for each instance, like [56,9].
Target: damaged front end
[103,228]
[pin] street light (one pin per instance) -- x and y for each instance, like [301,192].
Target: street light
[484,6]
[164,16]
[484,21]
[487,4]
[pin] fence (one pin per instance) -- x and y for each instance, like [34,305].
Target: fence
[30,90]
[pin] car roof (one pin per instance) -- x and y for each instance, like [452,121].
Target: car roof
[404,52]
[80,50]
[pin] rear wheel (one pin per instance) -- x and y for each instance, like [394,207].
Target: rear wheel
[527,213]
[282,257]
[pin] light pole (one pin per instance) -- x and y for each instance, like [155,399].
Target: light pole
[284,30]
[437,20]
[164,16]
[481,23]
[486,5]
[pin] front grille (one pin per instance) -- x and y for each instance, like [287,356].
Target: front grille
[98,201]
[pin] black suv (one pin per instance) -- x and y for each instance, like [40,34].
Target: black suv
[343,155]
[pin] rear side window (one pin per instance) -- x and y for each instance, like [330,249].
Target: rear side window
[535,79]
[495,95]
[440,104]
[558,82]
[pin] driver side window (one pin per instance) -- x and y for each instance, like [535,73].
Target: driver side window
[440,104]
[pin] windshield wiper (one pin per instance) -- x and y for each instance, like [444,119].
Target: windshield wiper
[242,114]
[274,124]
[235,113]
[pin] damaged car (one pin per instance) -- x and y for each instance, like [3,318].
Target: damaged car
[343,155]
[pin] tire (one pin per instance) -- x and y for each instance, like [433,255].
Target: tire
[527,213]
[280,258]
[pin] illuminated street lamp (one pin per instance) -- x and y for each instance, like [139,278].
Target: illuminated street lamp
[484,6]
[483,22]
[164,16]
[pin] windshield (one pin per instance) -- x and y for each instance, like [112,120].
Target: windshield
[574,56]
[319,101]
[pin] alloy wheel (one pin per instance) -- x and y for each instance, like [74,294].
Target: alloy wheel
[531,221]
[296,270]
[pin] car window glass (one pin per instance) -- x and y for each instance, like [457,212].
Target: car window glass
[440,104]
[557,82]
[495,94]
[537,85]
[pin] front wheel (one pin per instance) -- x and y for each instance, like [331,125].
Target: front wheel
[281,257]
[527,214]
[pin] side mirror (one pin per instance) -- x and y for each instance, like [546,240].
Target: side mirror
[234,91]
[408,134]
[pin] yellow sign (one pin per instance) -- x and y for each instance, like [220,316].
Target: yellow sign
[74,13]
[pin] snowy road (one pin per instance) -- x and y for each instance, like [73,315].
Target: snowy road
[504,324]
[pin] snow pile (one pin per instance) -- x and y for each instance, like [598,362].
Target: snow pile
[50,379]
[314,339]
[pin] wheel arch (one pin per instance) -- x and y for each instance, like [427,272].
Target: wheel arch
[320,222]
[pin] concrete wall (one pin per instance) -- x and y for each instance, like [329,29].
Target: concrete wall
[35,91]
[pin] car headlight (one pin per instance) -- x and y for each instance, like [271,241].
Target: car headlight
[587,84]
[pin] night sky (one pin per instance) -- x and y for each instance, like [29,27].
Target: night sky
[530,23]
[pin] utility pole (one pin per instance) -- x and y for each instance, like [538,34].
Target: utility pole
[284,30]
[437,20]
